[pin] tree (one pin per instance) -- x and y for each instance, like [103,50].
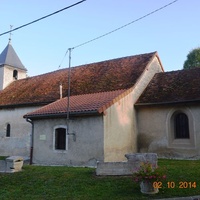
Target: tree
[193,59]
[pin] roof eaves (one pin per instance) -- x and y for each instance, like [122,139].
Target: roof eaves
[166,103]
[25,104]
[61,115]
[17,67]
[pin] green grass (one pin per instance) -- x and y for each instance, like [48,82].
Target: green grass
[56,183]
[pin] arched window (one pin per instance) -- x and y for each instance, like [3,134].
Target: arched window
[181,126]
[8,128]
[60,139]
[15,74]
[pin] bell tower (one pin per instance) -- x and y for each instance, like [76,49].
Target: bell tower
[11,68]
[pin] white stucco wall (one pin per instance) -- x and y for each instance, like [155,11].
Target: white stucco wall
[120,127]
[85,151]
[1,77]
[7,75]
[156,132]
[19,141]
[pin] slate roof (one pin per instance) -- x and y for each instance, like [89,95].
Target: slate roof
[116,74]
[80,104]
[172,87]
[9,57]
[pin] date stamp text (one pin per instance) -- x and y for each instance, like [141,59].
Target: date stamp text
[172,184]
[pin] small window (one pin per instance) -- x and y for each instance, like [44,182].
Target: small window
[181,126]
[8,130]
[60,139]
[15,74]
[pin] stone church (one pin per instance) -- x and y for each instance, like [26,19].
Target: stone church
[119,106]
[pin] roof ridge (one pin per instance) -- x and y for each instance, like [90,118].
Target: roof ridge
[112,59]
[86,65]
[173,86]
[176,71]
[196,68]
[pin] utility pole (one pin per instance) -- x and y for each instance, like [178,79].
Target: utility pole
[68,96]
[68,93]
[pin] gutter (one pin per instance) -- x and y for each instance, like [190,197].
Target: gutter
[25,104]
[62,115]
[166,103]
[31,146]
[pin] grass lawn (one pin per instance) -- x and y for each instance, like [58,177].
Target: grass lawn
[39,182]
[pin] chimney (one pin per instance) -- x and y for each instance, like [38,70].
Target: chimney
[60,90]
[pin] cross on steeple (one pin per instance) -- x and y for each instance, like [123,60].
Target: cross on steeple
[10,33]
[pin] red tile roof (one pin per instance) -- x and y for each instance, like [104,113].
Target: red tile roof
[116,74]
[80,104]
[172,87]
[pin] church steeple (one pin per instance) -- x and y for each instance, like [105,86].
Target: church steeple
[11,67]
[9,57]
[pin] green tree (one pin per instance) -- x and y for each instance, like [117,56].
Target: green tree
[193,59]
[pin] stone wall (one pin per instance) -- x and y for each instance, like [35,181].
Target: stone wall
[8,75]
[128,167]
[84,151]
[20,130]
[156,131]
[120,129]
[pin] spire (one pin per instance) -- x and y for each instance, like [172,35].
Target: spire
[9,57]
[10,34]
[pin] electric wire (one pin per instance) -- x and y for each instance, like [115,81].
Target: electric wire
[136,20]
[121,27]
[63,58]
[70,49]
[19,27]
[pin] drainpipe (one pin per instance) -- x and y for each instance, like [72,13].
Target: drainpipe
[31,148]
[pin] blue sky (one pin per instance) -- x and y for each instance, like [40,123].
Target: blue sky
[172,32]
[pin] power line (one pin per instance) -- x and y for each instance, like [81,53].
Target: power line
[63,58]
[70,49]
[42,18]
[121,27]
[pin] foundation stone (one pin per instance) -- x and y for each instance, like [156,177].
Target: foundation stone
[127,167]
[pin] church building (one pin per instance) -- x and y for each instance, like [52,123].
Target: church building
[119,106]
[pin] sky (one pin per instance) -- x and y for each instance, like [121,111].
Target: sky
[173,31]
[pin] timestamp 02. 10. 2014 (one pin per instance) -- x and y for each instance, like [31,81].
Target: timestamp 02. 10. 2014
[172,184]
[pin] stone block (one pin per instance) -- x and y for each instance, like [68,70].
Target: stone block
[128,167]
[14,164]
[137,158]
[112,168]
[2,165]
